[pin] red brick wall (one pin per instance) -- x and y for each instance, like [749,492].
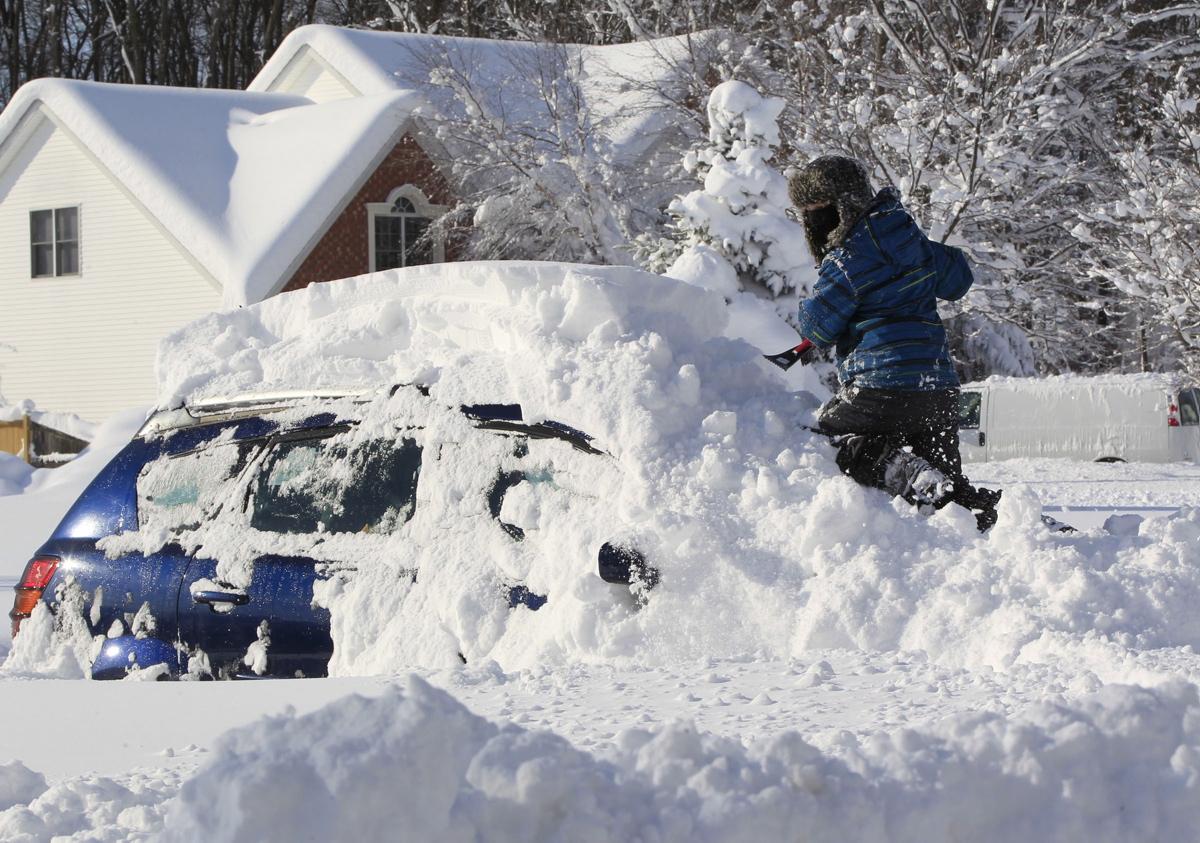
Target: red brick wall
[342,251]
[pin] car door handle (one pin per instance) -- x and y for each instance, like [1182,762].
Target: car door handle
[210,597]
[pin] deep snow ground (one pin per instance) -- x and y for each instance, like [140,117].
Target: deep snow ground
[130,746]
[1084,494]
[112,728]
[891,747]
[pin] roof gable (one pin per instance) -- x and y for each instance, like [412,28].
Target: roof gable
[308,74]
[244,181]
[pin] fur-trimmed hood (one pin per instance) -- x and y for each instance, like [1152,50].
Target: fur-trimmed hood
[832,180]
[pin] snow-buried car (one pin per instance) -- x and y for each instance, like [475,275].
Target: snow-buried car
[209,545]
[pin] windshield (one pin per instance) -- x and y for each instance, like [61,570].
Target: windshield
[968,409]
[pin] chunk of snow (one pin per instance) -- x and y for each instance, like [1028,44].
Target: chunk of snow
[19,784]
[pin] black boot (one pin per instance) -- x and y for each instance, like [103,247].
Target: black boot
[982,502]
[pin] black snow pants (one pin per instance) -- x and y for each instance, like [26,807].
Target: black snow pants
[869,426]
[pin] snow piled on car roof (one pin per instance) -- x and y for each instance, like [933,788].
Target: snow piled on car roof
[762,545]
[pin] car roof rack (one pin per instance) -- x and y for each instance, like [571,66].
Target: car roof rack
[507,418]
[231,408]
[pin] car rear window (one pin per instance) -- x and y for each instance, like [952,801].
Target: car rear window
[968,409]
[321,485]
[178,492]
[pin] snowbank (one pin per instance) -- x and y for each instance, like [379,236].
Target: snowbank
[1121,765]
[762,545]
[19,784]
[417,765]
[15,474]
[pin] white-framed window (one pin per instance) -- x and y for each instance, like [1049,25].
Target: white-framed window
[396,230]
[54,242]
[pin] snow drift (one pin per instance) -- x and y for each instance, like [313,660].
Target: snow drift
[417,765]
[763,547]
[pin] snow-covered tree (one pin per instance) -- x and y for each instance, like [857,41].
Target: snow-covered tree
[1146,238]
[532,157]
[734,233]
[535,174]
[983,347]
[986,116]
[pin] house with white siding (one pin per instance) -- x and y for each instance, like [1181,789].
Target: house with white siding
[127,211]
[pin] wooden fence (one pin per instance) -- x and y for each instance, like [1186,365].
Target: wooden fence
[40,446]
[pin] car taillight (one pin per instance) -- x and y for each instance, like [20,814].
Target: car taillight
[1173,415]
[29,590]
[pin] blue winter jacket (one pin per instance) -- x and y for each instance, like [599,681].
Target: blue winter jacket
[875,300]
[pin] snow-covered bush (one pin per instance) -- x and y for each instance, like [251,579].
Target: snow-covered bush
[982,347]
[1144,238]
[739,216]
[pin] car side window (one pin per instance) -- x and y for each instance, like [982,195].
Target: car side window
[323,485]
[968,409]
[1189,407]
[182,491]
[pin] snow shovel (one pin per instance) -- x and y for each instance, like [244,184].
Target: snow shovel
[787,359]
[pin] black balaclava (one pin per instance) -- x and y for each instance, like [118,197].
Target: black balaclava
[819,223]
[840,184]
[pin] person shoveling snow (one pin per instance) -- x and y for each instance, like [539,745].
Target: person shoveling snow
[894,418]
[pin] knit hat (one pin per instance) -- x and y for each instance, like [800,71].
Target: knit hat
[830,180]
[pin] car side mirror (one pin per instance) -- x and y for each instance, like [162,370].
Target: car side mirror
[622,565]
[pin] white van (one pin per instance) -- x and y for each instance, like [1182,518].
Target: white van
[1144,418]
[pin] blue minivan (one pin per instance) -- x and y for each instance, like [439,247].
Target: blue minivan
[278,465]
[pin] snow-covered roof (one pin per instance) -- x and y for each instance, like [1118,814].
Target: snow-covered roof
[623,86]
[244,181]
[1061,383]
[68,423]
